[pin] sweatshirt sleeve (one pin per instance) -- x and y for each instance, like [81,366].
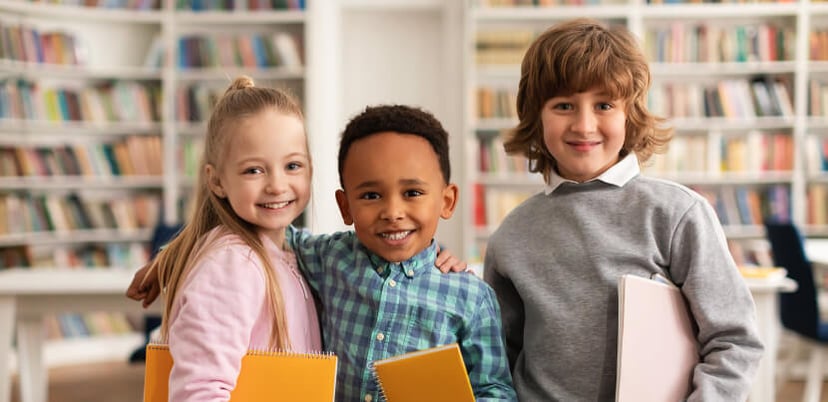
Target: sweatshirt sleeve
[216,310]
[721,305]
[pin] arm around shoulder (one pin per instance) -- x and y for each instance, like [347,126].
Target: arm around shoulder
[484,352]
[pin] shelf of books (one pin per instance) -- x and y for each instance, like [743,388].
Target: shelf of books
[742,84]
[103,107]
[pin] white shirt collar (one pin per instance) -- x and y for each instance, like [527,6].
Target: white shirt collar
[617,175]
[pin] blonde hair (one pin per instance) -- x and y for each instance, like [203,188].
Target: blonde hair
[576,56]
[241,100]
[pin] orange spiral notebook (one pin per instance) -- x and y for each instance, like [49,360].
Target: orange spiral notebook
[435,375]
[264,376]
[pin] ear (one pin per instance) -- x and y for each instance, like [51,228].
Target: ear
[344,209]
[213,181]
[450,195]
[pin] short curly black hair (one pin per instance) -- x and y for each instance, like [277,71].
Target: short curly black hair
[400,119]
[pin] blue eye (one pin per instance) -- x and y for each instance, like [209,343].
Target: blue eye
[293,166]
[605,106]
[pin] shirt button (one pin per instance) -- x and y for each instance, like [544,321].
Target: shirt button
[380,270]
[380,336]
[368,398]
[410,272]
[392,283]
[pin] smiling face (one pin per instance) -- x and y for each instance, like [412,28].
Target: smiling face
[394,194]
[265,174]
[584,132]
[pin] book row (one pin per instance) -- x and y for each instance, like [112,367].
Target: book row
[27,213]
[239,5]
[194,5]
[683,42]
[255,50]
[754,152]
[816,154]
[817,212]
[552,3]
[76,325]
[134,155]
[731,98]
[749,205]
[112,4]
[492,159]
[496,102]
[114,255]
[734,205]
[491,205]
[117,101]
[28,44]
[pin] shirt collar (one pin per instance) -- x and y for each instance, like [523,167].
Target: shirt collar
[617,175]
[410,267]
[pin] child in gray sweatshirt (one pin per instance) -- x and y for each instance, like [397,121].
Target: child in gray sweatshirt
[555,260]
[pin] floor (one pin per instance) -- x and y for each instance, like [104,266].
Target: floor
[121,382]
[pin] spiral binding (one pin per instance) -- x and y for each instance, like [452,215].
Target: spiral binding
[262,352]
[382,393]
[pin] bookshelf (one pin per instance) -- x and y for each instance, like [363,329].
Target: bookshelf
[102,113]
[741,83]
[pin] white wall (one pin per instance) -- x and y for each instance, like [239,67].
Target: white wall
[397,53]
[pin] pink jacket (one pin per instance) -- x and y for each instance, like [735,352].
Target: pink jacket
[221,311]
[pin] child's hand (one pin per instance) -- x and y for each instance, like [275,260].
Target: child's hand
[145,286]
[446,262]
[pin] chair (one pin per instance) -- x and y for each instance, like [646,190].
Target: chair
[799,310]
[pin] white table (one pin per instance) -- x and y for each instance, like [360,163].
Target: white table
[26,296]
[765,296]
[817,252]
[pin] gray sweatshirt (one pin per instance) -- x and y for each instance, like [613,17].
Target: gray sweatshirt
[555,261]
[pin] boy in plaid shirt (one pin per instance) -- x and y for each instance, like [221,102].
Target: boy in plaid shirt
[380,294]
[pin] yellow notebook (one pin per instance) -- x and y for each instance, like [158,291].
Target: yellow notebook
[265,376]
[436,375]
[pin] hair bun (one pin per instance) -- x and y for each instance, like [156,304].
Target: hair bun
[241,82]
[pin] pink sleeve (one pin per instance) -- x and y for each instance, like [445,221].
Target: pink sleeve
[211,324]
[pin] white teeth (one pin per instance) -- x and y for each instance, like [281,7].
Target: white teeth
[396,235]
[276,205]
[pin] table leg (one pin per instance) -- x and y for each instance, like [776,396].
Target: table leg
[33,373]
[767,312]
[7,306]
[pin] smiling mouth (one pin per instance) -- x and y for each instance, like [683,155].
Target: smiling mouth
[276,205]
[396,235]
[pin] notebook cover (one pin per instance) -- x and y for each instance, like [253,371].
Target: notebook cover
[657,347]
[264,376]
[436,375]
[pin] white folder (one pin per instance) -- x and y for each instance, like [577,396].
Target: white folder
[657,347]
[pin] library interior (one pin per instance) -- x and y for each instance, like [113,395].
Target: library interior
[103,111]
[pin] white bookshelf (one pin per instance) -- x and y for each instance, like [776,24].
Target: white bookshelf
[641,18]
[117,42]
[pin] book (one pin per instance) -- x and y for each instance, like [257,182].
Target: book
[657,347]
[264,376]
[436,374]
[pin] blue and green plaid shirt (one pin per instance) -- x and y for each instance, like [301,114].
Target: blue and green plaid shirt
[373,309]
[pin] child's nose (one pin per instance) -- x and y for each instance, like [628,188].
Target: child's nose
[392,210]
[585,121]
[276,183]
